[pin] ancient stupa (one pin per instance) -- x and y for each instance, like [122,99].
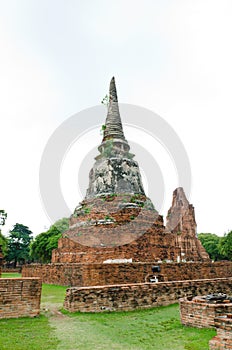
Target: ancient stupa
[116,220]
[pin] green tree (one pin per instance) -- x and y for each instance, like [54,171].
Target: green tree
[18,244]
[62,224]
[211,243]
[3,243]
[225,246]
[3,216]
[3,239]
[45,242]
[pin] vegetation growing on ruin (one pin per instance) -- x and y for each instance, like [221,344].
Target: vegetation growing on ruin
[105,100]
[109,197]
[108,149]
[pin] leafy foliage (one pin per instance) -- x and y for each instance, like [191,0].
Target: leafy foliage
[45,242]
[62,224]
[3,216]
[41,248]
[225,245]
[18,244]
[218,248]
[105,100]
[3,243]
[3,239]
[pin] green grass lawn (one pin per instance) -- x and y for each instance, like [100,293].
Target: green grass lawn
[52,294]
[27,334]
[11,275]
[157,328]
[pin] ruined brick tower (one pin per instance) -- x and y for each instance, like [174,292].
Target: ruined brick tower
[116,220]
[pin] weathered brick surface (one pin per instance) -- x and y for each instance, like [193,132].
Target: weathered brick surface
[198,313]
[135,233]
[19,297]
[11,270]
[103,274]
[102,228]
[223,339]
[142,295]
[181,222]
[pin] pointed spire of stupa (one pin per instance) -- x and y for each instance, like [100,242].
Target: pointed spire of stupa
[115,170]
[113,125]
[113,143]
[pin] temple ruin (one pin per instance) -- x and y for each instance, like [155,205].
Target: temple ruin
[117,247]
[116,221]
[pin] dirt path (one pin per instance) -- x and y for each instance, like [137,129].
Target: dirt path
[82,332]
[76,334]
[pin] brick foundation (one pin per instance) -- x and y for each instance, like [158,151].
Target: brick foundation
[140,239]
[223,339]
[143,295]
[126,226]
[19,297]
[104,274]
[198,313]
[11,270]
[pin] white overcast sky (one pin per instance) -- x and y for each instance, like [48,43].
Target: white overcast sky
[173,57]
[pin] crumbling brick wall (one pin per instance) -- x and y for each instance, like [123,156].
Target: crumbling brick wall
[223,339]
[102,228]
[198,313]
[143,295]
[20,297]
[103,274]
[140,239]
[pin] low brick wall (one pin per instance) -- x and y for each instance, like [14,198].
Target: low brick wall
[142,295]
[106,274]
[11,270]
[223,339]
[19,297]
[200,314]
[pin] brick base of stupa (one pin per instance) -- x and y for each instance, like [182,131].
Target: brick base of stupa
[120,227]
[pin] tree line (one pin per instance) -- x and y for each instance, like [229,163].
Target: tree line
[19,247]
[218,248]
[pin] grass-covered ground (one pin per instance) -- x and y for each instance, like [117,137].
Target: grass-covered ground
[157,328]
[11,275]
[27,334]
